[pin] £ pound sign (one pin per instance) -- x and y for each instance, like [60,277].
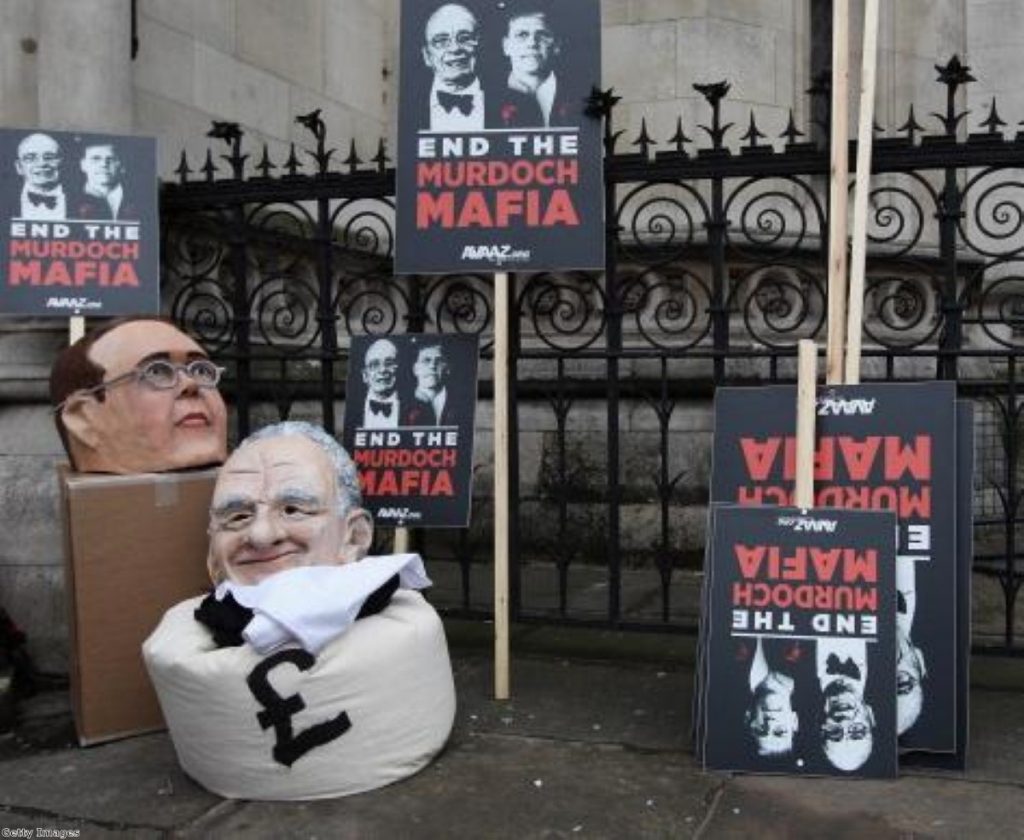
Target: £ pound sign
[278,711]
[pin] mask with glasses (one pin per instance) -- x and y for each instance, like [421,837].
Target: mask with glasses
[161,375]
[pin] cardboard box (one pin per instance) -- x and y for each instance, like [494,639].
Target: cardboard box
[134,546]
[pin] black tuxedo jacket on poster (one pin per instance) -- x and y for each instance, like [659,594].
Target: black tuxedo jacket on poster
[419,412]
[516,109]
[85,206]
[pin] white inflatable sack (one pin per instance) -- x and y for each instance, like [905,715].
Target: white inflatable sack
[374,707]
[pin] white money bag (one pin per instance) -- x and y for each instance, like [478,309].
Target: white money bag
[375,706]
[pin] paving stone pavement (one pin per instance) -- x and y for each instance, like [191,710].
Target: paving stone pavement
[593,744]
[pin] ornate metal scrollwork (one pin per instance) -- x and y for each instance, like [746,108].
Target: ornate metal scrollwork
[283,310]
[779,303]
[772,215]
[1000,307]
[902,311]
[659,220]
[201,306]
[993,220]
[669,306]
[564,311]
[279,235]
[897,219]
[371,305]
[200,299]
[460,303]
[365,226]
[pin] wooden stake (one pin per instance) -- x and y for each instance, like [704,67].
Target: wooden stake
[501,487]
[76,328]
[807,375]
[837,193]
[866,119]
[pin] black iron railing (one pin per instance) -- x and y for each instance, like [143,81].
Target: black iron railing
[716,268]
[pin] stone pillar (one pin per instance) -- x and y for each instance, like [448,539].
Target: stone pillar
[64,64]
[85,70]
[19,45]
[995,53]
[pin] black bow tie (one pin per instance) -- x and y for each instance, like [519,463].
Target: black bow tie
[846,668]
[379,407]
[462,101]
[48,201]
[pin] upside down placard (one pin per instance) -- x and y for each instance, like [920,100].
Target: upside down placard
[798,642]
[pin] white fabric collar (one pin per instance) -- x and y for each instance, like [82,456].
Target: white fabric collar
[312,605]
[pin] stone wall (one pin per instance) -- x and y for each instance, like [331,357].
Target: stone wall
[31,571]
[995,54]
[655,50]
[260,63]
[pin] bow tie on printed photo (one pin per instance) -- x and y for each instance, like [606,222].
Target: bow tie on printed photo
[845,668]
[47,201]
[462,101]
[379,407]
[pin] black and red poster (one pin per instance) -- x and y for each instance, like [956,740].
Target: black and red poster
[799,642]
[499,165]
[409,419]
[78,224]
[889,447]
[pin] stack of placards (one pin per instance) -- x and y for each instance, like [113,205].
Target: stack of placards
[902,448]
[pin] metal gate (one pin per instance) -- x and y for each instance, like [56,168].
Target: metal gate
[716,268]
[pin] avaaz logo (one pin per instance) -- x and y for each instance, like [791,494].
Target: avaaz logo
[75,303]
[498,254]
[805,523]
[831,405]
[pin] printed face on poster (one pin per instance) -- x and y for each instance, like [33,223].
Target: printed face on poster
[499,167]
[79,230]
[409,419]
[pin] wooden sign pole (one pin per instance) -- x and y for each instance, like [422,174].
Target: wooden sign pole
[76,328]
[501,486]
[837,194]
[807,374]
[866,119]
